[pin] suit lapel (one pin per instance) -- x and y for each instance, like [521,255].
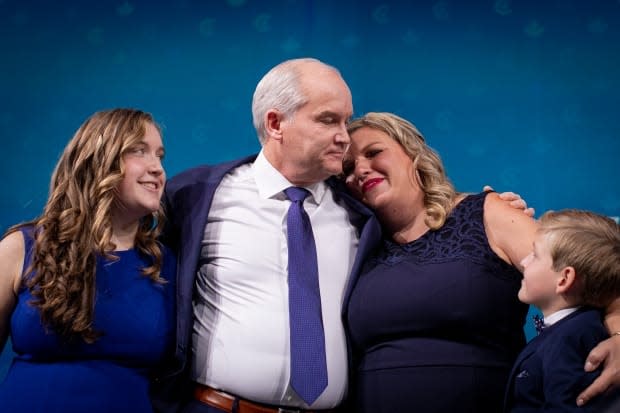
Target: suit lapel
[369,233]
[193,202]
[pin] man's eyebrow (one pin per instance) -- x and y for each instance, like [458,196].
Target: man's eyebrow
[331,113]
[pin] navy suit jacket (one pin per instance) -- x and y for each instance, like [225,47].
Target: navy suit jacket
[548,374]
[187,200]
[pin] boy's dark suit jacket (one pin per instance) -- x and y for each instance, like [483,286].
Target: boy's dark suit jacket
[548,374]
[187,200]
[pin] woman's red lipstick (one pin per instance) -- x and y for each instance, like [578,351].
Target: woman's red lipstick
[371,183]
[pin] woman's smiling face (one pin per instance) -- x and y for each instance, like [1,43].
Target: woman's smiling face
[377,169]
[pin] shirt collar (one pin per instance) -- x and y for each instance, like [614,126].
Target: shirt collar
[558,315]
[271,183]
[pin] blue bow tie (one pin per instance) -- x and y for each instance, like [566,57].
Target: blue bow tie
[539,323]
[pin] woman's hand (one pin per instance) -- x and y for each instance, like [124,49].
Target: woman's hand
[515,200]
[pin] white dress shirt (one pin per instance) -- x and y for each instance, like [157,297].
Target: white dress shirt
[240,339]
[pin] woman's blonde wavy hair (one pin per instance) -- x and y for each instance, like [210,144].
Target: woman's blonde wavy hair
[427,168]
[76,227]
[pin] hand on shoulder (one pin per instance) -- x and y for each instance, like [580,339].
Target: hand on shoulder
[514,199]
[509,230]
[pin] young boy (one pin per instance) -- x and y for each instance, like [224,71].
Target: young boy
[573,271]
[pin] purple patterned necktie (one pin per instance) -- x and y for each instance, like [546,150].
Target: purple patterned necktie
[308,364]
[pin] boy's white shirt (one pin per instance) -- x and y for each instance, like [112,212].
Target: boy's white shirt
[558,315]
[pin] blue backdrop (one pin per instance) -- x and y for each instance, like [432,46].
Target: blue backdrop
[521,94]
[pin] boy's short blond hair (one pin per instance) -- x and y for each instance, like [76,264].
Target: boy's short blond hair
[590,243]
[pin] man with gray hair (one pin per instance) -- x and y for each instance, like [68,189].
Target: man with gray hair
[229,224]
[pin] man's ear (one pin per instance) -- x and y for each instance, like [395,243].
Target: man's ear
[273,124]
[566,280]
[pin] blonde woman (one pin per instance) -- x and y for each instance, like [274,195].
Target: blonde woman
[86,290]
[434,316]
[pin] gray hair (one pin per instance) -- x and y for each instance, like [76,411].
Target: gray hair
[280,89]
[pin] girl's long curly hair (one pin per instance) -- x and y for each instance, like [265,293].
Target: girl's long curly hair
[76,226]
[428,169]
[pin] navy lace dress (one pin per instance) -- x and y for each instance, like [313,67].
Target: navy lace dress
[436,324]
[136,317]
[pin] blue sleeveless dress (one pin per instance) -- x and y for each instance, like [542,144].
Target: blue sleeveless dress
[436,323]
[136,317]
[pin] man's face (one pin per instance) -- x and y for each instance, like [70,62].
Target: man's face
[315,138]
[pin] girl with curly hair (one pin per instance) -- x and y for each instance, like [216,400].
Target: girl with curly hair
[86,290]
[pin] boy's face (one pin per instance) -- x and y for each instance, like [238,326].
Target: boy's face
[538,286]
